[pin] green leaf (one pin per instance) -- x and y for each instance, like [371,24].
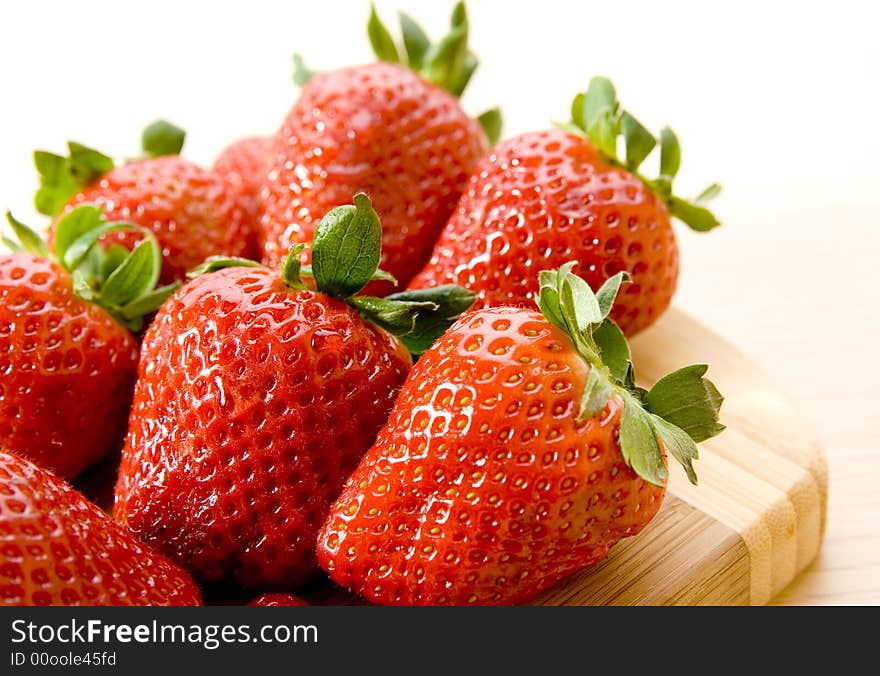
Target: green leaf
[597,391]
[670,153]
[580,308]
[599,97]
[12,245]
[638,442]
[56,184]
[110,259]
[395,316]
[608,292]
[459,15]
[30,241]
[697,217]
[491,123]
[62,177]
[162,138]
[148,303]
[381,40]
[86,165]
[214,263]
[346,248]
[136,276]
[678,444]
[445,62]
[301,72]
[613,349]
[77,251]
[450,303]
[74,225]
[415,41]
[689,401]
[291,267]
[603,132]
[459,84]
[639,141]
[548,297]
[577,113]
[708,194]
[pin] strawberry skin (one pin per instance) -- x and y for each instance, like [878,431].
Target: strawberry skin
[244,165]
[276,599]
[380,129]
[57,548]
[254,402]
[67,369]
[541,199]
[191,210]
[483,488]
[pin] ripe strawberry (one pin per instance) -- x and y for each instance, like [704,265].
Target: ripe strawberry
[396,132]
[518,452]
[245,165]
[276,599]
[192,211]
[57,548]
[543,198]
[67,355]
[257,396]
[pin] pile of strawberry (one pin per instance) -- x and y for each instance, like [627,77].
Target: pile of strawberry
[438,408]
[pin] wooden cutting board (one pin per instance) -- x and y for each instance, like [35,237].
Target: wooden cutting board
[757,517]
[755,520]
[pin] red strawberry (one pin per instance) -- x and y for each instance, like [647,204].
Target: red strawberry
[518,452]
[57,548]
[67,356]
[385,129]
[543,198]
[192,211]
[245,165]
[276,599]
[256,397]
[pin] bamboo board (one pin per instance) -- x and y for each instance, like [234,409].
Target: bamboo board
[757,517]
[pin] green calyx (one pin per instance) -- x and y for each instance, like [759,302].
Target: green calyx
[448,63]
[346,250]
[61,177]
[597,115]
[679,411]
[121,282]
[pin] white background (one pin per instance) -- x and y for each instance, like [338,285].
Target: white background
[779,101]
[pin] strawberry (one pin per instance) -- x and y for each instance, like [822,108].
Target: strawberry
[256,397]
[192,211]
[245,165]
[543,198]
[518,452]
[395,131]
[57,548]
[68,356]
[277,599]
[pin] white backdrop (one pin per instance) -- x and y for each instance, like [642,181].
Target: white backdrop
[777,100]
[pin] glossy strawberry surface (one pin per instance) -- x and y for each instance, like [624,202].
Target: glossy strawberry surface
[191,210]
[253,404]
[244,164]
[276,599]
[483,488]
[67,369]
[379,129]
[542,199]
[57,548]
